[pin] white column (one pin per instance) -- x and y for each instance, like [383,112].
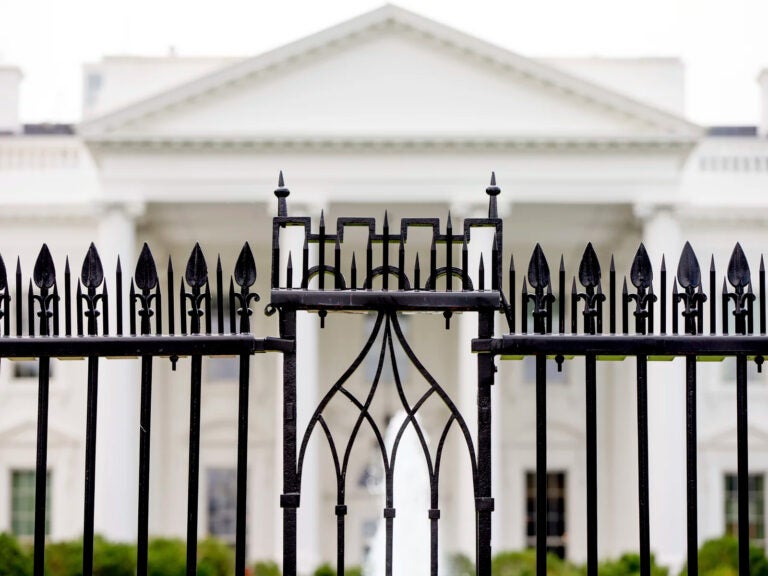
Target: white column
[481,242]
[307,326]
[117,439]
[666,407]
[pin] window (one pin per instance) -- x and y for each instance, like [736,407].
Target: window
[222,503]
[557,536]
[756,504]
[23,503]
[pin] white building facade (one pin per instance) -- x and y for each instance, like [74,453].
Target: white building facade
[386,111]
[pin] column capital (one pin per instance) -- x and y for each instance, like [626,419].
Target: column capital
[645,211]
[132,209]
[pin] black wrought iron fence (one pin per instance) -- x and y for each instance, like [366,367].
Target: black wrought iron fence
[644,335]
[165,321]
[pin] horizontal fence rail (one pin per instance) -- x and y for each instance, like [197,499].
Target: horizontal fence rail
[652,316]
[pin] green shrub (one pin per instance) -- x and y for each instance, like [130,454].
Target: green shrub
[524,564]
[266,568]
[720,557]
[325,570]
[461,565]
[215,558]
[628,565]
[328,570]
[14,560]
[167,557]
[64,558]
[113,559]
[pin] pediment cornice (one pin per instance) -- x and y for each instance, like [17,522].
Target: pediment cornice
[437,143]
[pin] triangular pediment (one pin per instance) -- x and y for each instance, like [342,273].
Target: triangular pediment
[726,440]
[389,75]
[24,434]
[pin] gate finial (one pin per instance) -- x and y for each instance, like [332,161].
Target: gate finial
[281,192]
[493,191]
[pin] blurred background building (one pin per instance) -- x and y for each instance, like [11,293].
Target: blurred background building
[386,111]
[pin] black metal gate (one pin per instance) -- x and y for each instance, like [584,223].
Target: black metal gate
[591,323]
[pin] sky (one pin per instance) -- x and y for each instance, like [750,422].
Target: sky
[723,43]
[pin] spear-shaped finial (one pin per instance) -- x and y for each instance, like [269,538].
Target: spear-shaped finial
[493,191]
[281,192]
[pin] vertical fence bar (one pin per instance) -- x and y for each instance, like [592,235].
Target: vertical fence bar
[541,465]
[642,456]
[242,464]
[484,502]
[144,455]
[691,466]
[194,464]
[742,455]
[591,392]
[90,462]
[289,501]
[41,466]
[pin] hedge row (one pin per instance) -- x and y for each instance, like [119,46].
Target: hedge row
[167,557]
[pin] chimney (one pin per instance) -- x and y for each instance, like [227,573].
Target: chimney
[762,80]
[10,78]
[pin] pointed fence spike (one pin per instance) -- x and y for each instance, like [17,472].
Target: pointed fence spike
[589,268]
[196,274]
[44,272]
[663,263]
[219,295]
[245,268]
[493,191]
[417,273]
[353,272]
[481,274]
[289,272]
[574,307]
[19,321]
[281,193]
[641,273]
[171,299]
[67,300]
[538,269]
[763,295]
[232,313]
[132,308]
[738,268]
[688,270]
[92,273]
[146,270]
